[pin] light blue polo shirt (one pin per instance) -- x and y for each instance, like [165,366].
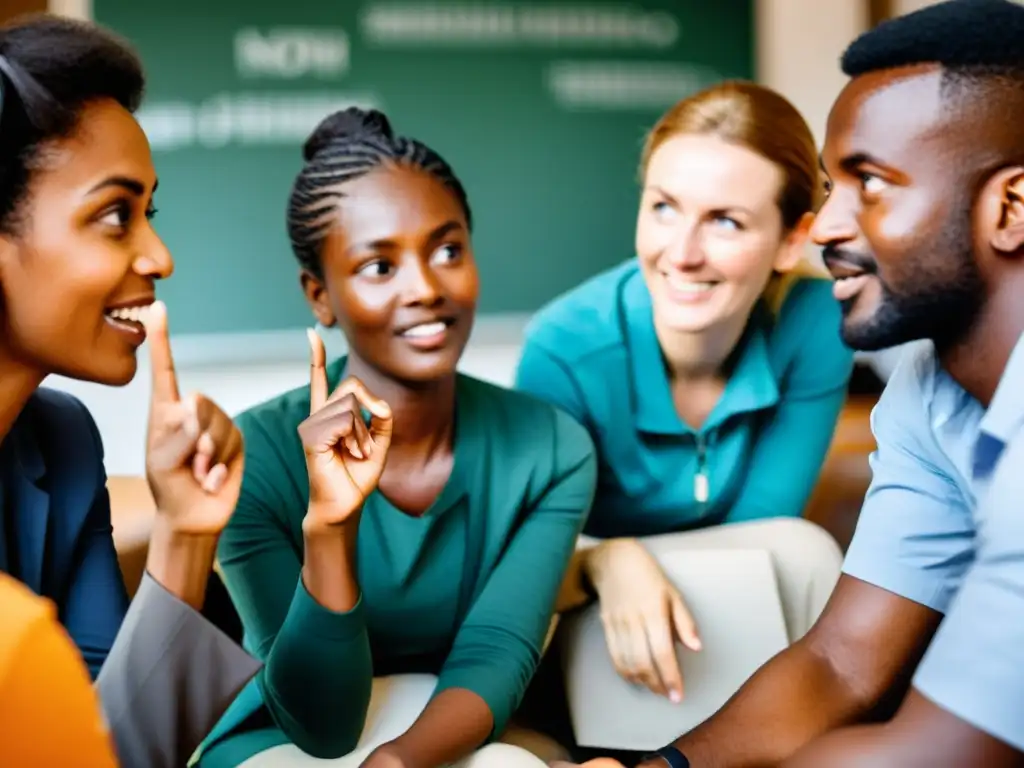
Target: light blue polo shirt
[943,525]
[594,353]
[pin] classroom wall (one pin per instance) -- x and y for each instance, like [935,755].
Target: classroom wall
[799,44]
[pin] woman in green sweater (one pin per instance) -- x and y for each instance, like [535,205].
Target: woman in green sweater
[444,559]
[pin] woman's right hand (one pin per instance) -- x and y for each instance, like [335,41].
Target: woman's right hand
[643,614]
[344,458]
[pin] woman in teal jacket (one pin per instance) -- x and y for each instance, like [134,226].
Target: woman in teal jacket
[709,371]
[446,561]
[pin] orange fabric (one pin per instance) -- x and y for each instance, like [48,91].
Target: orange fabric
[49,711]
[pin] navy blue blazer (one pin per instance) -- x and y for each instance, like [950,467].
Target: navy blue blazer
[56,535]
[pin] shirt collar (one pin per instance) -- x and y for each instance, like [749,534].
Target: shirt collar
[751,386]
[1005,414]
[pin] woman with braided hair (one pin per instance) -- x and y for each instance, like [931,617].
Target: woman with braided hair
[396,517]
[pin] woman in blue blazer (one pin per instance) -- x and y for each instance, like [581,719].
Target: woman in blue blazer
[78,263]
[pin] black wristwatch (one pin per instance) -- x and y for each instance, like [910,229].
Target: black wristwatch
[670,755]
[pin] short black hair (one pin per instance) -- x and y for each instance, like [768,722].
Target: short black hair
[344,146]
[957,35]
[976,46]
[50,68]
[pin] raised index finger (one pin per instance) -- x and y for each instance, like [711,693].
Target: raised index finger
[317,371]
[165,381]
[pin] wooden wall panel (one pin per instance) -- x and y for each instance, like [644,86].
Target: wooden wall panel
[879,11]
[10,9]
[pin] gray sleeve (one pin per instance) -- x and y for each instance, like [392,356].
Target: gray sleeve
[168,679]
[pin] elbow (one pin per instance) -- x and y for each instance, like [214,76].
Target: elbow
[328,745]
[325,725]
[853,696]
[322,737]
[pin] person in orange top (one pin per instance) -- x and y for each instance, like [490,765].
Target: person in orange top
[49,709]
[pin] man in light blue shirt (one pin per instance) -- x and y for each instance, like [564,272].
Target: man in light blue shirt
[974,667]
[923,230]
[943,526]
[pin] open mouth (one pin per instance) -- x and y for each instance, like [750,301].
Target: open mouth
[129,319]
[426,330]
[686,289]
[850,272]
[845,288]
[428,335]
[849,279]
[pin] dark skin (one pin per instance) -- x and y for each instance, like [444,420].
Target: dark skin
[398,259]
[83,246]
[888,155]
[85,231]
[901,213]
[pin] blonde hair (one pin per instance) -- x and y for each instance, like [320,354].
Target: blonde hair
[763,121]
[760,119]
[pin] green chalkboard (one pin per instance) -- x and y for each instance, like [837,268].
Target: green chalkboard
[540,107]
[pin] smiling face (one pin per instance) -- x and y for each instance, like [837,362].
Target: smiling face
[398,274]
[897,225]
[709,232]
[83,256]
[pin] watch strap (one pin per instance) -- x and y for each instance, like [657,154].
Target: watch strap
[671,755]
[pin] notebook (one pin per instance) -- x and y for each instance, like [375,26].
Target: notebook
[734,599]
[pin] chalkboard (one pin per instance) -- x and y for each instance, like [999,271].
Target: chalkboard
[540,107]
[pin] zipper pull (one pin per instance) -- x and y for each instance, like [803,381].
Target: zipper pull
[700,487]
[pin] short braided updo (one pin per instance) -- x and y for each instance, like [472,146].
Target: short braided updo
[345,146]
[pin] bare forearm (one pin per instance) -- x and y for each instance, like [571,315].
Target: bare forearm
[849,668]
[921,735]
[575,589]
[793,699]
[453,725]
[329,565]
[181,563]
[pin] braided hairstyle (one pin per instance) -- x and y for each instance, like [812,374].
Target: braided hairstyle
[343,147]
